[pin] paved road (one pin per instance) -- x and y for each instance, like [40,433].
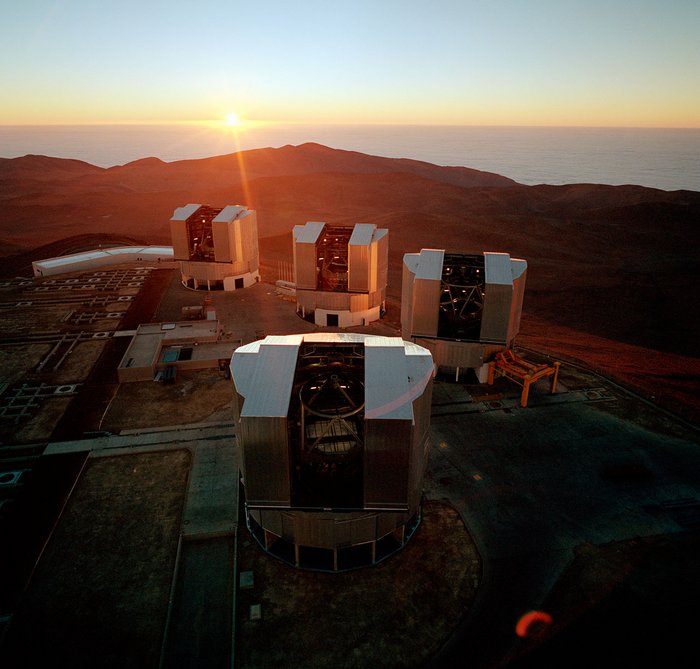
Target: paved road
[532,484]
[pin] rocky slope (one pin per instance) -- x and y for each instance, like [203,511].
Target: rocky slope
[617,262]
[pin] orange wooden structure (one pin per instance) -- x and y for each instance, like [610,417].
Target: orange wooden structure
[522,372]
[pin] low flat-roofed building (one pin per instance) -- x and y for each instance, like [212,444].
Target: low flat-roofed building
[340,273]
[217,246]
[190,345]
[77,262]
[463,308]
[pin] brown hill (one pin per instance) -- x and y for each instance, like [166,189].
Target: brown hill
[619,262]
[152,174]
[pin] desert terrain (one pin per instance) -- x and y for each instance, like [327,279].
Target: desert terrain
[610,287]
[612,270]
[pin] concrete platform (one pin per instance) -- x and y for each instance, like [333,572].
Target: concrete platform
[212,498]
[589,465]
[534,484]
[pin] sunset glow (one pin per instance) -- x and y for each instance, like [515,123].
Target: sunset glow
[233,120]
[479,63]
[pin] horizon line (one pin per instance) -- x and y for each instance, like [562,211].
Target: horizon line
[251,124]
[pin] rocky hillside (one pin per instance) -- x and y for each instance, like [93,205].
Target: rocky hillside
[619,262]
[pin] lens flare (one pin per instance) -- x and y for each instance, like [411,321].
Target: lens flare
[533,624]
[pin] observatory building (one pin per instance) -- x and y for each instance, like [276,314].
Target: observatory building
[463,308]
[217,247]
[333,439]
[340,273]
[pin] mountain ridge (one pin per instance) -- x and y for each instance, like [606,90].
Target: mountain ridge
[618,262]
[231,169]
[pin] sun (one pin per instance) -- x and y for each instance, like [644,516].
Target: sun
[233,120]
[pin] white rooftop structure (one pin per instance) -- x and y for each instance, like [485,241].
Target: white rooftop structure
[183,213]
[396,372]
[308,233]
[229,213]
[217,247]
[427,264]
[76,262]
[340,272]
[463,307]
[363,234]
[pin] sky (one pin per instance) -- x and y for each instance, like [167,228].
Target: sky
[443,62]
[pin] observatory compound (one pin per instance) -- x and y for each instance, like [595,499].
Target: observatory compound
[217,247]
[340,273]
[333,436]
[463,308]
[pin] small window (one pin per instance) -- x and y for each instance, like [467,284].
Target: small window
[332,320]
[170,356]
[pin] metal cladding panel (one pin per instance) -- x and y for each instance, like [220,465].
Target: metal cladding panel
[334,338]
[386,463]
[228,213]
[237,405]
[269,387]
[178,235]
[317,299]
[242,366]
[420,292]
[496,313]
[518,268]
[396,373]
[408,275]
[271,520]
[236,242]
[362,259]
[426,307]
[380,247]
[359,302]
[421,369]
[327,530]
[309,232]
[387,390]
[183,213]
[296,231]
[359,531]
[453,354]
[362,234]
[305,238]
[315,529]
[248,222]
[224,248]
[207,271]
[516,307]
[498,269]
[498,297]
[178,230]
[420,443]
[265,460]
[305,274]
[359,262]
[411,262]
[288,525]
[430,264]
[388,521]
